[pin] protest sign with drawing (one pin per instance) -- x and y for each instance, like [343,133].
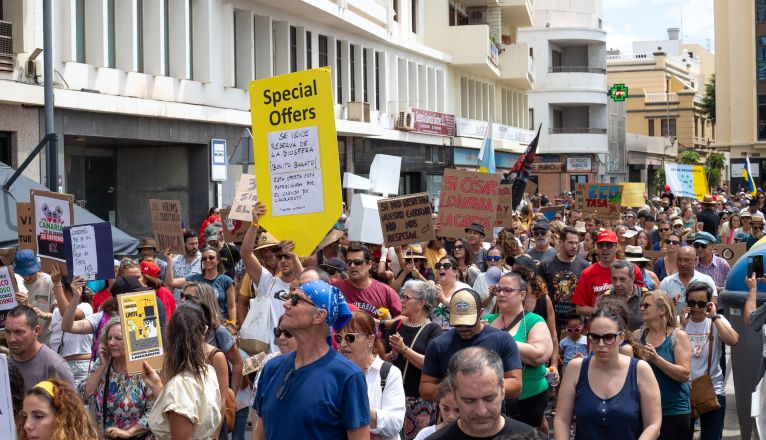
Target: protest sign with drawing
[406,219]
[244,199]
[233,230]
[51,213]
[467,197]
[599,199]
[141,330]
[166,222]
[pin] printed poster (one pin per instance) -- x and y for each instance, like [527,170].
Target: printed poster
[51,213]
[141,330]
[8,291]
[686,180]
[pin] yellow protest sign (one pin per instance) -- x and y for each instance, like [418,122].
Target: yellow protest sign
[633,195]
[296,156]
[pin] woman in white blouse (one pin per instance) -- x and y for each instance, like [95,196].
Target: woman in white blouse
[357,342]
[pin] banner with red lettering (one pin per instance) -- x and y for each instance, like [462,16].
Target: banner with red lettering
[600,199]
[467,197]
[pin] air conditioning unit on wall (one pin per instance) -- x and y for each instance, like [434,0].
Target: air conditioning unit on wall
[405,121]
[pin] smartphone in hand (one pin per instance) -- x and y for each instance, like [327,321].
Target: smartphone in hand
[755,265]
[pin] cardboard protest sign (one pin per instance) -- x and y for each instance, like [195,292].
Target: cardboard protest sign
[141,330]
[8,289]
[653,256]
[244,199]
[166,222]
[550,211]
[405,220]
[295,148]
[633,195]
[505,205]
[51,213]
[7,422]
[88,250]
[24,226]
[730,252]
[467,197]
[599,199]
[7,255]
[233,230]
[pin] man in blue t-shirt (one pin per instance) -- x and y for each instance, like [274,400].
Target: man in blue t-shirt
[468,331]
[314,392]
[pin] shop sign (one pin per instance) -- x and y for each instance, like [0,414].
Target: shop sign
[472,128]
[579,164]
[547,167]
[428,122]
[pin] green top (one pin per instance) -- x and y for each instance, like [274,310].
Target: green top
[533,381]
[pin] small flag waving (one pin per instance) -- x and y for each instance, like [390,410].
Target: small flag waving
[748,176]
[487,152]
[519,174]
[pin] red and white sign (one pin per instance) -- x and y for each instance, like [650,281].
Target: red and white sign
[428,122]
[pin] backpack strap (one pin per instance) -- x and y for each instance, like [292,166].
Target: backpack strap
[384,374]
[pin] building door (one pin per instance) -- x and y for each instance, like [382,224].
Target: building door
[92,179]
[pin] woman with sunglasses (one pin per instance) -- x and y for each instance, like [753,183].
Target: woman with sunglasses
[728,228]
[668,351]
[357,342]
[535,348]
[666,266]
[467,269]
[409,341]
[212,274]
[609,392]
[447,283]
[706,329]
[741,233]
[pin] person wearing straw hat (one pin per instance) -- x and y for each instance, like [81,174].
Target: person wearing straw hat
[707,217]
[635,254]
[414,267]
[148,250]
[328,248]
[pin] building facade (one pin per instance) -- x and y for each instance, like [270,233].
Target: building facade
[144,86]
[740,46]
[569,98]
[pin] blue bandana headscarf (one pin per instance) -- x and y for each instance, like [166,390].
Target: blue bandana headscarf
[329,298]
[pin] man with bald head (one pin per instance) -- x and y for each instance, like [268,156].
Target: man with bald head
[675,285]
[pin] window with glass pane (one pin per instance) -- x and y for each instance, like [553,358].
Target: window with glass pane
[760,11]
[761,117]
[667,127]
[323,57]
[760,57]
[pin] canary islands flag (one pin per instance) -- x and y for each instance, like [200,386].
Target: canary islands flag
[487,152]
[748,176]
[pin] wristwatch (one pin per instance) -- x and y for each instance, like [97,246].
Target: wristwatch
[713,318]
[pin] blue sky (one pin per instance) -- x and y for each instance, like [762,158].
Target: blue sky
[638,20]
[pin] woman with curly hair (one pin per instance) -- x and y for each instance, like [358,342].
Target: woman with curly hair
[507,241]
[53,411]
[466,262]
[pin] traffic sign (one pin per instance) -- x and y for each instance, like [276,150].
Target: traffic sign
[296,156]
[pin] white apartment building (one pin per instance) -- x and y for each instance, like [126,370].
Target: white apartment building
[569,99]
[143,86]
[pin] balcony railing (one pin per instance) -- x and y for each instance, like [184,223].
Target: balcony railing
[660,98]
[6,46]
[576,69]
[576,130]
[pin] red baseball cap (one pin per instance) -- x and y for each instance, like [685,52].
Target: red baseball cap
[607,237]
[150,268]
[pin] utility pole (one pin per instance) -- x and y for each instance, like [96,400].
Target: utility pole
[50,132]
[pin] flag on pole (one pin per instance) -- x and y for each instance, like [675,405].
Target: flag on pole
[748,176]
[521,169]
[487,152]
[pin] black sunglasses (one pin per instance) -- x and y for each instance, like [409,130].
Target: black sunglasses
[357,262]
[458,246]
[700,245]
[443,266]
[350,338]
[605,245]
[279,332]
[493,258]
[188,297]
[672,242]
[294,298]
[700,304]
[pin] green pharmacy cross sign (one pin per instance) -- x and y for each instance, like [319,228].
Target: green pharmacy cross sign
[618,92]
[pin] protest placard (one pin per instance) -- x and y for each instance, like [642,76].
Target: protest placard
[8,289]
[652,256]
[141,330]
[295,147]
[730,252]
[233,230]
[633,195]
[24,226]
[7,422]
[88,250]
[599,199]
[550,211]
[467,197]
[686,180]
[505,205]
[406,219]
[244,199]
[51,213]
[166,222]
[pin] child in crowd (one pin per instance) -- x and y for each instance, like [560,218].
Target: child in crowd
[575,343]
[448,411]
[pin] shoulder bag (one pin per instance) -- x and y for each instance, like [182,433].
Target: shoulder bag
[703,397]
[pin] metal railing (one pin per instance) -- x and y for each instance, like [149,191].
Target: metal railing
[576,69]
[660,98]
[576,130]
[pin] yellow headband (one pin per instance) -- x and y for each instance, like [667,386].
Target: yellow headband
[47,386]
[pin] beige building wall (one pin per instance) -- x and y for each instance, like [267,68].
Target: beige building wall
[736,93]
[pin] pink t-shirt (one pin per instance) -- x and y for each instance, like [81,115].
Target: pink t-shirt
[375,296]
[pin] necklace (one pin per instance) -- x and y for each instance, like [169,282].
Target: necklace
[421,324]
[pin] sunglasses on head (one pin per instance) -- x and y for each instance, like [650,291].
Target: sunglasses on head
[357,262]
[493,258]
[446,266]
[350,338]
[698,304]
[279,332]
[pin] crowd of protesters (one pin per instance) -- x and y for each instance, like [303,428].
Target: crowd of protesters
[490,334]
